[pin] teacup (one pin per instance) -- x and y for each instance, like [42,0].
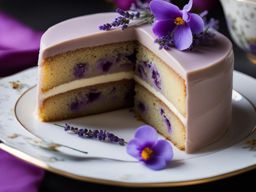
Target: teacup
[241,19]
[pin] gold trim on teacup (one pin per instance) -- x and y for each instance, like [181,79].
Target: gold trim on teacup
[247,1]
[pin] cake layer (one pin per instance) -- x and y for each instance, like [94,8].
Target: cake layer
[156,113]
[69,35]
[86,82]
[88,100]
[161,97]
[86,63]
[161,77]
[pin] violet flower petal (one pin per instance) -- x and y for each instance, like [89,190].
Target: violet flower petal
[163,27]
[185,16]
[146,134]
[196,23]
[163,10]
[156,163]
[183,37]
[188,6]
[133,148]
[163,149]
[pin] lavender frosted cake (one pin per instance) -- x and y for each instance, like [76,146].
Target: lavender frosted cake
[186,96]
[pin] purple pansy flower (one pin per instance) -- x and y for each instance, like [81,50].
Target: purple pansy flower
[169,19]
[145,147]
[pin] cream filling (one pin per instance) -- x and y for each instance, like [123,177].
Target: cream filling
[162,98]
[87,82]
[111,78]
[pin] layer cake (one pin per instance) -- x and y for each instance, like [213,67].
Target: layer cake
[186,96]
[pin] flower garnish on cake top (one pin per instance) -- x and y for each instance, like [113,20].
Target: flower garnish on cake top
[173,27]
[153,153]
[180,25]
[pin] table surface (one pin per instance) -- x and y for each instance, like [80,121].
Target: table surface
[42,14]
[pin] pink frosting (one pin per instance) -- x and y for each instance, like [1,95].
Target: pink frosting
[207,70]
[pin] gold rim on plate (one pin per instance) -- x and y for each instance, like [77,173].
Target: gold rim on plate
[43,165]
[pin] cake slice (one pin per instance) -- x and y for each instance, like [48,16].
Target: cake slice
[186,96]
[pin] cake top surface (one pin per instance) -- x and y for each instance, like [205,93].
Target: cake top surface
[84,31]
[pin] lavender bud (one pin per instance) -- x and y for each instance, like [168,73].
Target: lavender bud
[81,132]
[95,133]
[121,142]
[67,127]
[101,135]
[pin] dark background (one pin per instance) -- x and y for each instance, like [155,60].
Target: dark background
[42,14]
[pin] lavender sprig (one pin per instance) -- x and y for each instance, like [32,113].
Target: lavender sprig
[207,35]
[101,135]
[137,15]
[165,42]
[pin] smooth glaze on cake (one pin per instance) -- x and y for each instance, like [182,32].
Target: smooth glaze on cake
[186,96]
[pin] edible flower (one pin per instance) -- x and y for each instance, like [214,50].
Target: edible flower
[180,24]
[152,152]
[172,26]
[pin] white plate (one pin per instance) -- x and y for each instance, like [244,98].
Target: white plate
[230,155]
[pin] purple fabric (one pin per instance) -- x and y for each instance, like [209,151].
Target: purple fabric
[19,46]
[202,5]
[18,50]
[18,176]
[124,4]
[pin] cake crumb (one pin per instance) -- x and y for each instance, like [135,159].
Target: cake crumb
[16,85]
[13,136]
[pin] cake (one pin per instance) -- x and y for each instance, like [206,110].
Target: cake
[186,96]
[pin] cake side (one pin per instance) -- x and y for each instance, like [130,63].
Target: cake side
[209,103]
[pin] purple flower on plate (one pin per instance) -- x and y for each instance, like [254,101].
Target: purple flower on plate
[145,147]
[169,19]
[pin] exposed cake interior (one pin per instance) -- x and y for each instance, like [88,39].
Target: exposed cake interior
[88,100]
[100,79]
[86,63]
[153,111]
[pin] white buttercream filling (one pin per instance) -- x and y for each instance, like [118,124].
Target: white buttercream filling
[87,82]
[158,95]
[107,79]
